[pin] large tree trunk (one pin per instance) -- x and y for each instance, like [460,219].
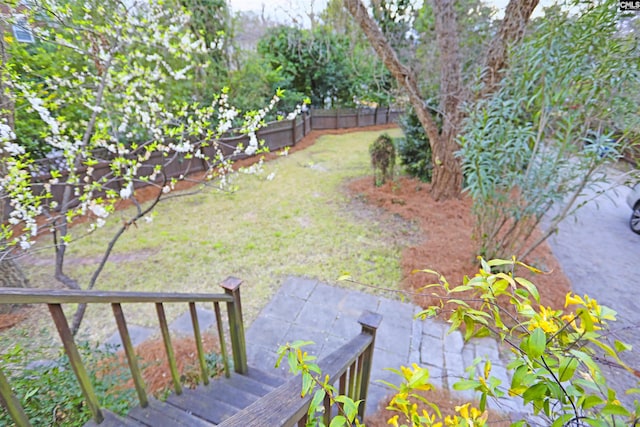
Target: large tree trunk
[447,170]
[447,176]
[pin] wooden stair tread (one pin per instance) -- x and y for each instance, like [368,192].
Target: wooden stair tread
[162,414]
[247,384]
[264,377]
[204,406]
[227,393]
[210,409]
[113,420]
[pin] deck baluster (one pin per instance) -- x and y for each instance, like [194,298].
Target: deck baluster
[352,380]
[166,337]
[198,338]
[131,354]
[326,417]
[76,362]
[221,339]
[12,403]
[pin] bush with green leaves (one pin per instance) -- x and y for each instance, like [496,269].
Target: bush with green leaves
[414,149]
[556,368]
[545,136]
[50,393]
[383,159]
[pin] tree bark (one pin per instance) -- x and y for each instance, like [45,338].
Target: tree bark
[447,169]
[447,176]
[512,29]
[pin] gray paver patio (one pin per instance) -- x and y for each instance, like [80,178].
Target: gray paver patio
[306,309]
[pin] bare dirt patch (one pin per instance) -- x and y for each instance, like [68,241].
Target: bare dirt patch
[447,243]
[155,366]
[8,320]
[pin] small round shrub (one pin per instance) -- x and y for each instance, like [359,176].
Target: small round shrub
[383,159]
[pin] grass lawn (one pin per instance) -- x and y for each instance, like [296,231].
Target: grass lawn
[300,223]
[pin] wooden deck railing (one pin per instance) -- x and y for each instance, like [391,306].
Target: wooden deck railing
[349,366]
[55,299]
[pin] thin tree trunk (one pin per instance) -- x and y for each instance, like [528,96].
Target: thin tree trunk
[11,274]
[78,316]
[447,176]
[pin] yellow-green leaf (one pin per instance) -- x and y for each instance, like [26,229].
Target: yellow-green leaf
[537,343]
[567,368]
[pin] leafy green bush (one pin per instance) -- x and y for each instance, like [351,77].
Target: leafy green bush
[556,368]
[50,393]
[383,159]
[541,141]
[414,149]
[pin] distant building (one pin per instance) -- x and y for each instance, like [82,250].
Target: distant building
[19,24]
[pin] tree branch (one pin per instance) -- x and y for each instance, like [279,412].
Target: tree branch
[403,75]
[512,28]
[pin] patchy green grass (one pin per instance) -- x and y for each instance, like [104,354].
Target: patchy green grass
[299,223]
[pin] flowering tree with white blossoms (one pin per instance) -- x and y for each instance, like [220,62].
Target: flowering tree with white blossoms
[118,62]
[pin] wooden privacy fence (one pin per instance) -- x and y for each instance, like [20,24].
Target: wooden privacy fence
[276,135]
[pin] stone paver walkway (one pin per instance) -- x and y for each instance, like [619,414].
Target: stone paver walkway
[306,309]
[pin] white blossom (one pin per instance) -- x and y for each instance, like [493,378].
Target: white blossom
[98,210]
[6,133]
[127,191]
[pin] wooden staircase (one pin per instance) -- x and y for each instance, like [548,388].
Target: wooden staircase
[244,398]
[207,405]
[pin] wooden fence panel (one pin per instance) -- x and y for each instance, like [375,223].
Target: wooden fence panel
[382,116]
[347,119]
[276,136]
[324,119]
[366,117]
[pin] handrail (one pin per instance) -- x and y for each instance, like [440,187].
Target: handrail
[54,299]
[48,296]
[350,365]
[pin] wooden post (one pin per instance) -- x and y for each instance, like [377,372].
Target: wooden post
[221,340]
[171,358]
[370,323]
[8,399]
[231,286]
[197,336]
[293,131]
[76,362]
[131,354]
